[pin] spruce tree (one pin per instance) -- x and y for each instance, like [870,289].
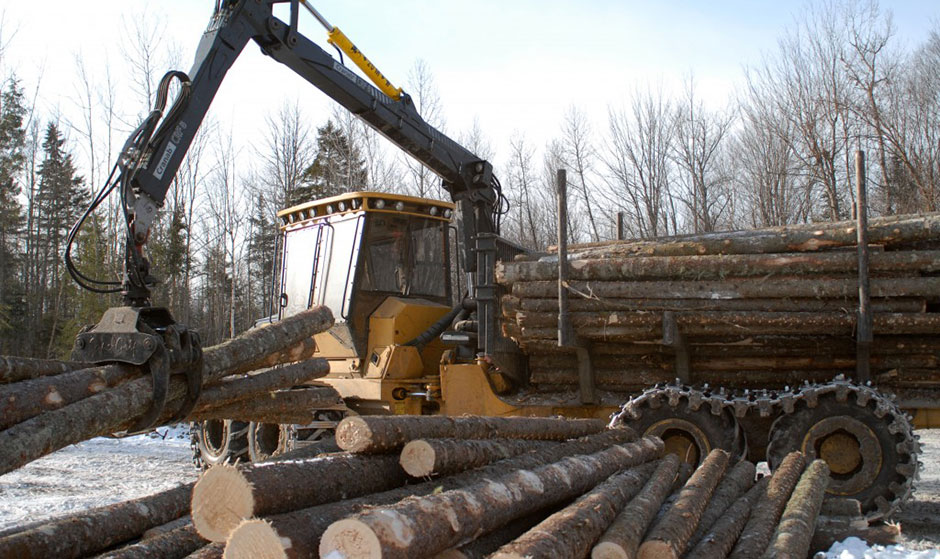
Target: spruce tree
[12,142]
[338,167]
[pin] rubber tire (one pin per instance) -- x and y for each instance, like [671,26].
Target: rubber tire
[721,431]
[792,427]
[221,441]
[259,440]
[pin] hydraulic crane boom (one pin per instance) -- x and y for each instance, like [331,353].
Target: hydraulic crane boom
[153,155]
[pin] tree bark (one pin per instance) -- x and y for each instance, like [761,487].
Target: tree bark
[382,433]
[297,405]
[570,533]
[225,495]
[211,551]
[483,546]
[670,537]
[297,534]
[722,535]
[425,457]
[170,545]
[15,369]
[168,527]
[97,529]
[426,525]
[734,485]
[766,512]
[794,534]
[512,305]
[118,408]
[232,389]
[622,538]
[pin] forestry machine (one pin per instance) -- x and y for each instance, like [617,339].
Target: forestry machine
[388,268]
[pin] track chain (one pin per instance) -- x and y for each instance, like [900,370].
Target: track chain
[766,403]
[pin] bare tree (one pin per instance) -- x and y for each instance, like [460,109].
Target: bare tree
[422,181]
[289,148]
[531,219]
[580,156]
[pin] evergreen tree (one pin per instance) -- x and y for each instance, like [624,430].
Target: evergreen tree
[262,234]
[338,167]
[12,159]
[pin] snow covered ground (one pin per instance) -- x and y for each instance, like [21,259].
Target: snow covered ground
[104,471]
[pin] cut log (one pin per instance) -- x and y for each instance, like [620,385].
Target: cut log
[97,529]
[790,304]
[297,534]
[170,545]
[383,433]
[722,535]
[766,512]
[622,538]
[225,495]
[425,457]
[717,266]
[670,537]
[168,527]
[483,546]
[119,408]
[426,525]
[298,405]
[734,485]
[15,369]
[831,530]
[231,389]
[570,533]
[793,535]
[211,551]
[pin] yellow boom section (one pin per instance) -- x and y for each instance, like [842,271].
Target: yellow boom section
[342,42]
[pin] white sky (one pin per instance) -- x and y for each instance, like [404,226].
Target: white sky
[514,65]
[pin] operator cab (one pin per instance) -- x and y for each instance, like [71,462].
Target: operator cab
[353,252]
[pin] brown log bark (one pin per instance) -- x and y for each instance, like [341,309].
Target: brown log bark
[622,538]
[734,485]
[168,527]
[794,534]
[297,534]
[15,369]
[298,405]
[211,551]
[722,535]
[766,512]
[570,533]
[829,531]
[425,457]
[483,546]
[383,433]
[670,537]
[97,529]
[112,410]
[170,545]
[717,266]
[232,389]
[225,495]
[536,305]
[426,525]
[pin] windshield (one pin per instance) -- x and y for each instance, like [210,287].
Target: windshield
[406,255]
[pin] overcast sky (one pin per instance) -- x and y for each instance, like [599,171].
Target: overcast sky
[514,65]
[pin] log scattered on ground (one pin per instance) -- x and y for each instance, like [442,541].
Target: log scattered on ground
[570,533]
[733,485]
[423,525]
[98,529]
[623,537]
[766,512]
[374,434]
[670,537]
[721,536]
[170,545]
[297,534]
[794,533]
[425,457]
[15,369]
[226,495]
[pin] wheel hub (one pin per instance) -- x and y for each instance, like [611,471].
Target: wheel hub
[850,448]
[682,438]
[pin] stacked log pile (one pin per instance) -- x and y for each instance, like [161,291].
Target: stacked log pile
[521,487]
[47,405]
[771,306]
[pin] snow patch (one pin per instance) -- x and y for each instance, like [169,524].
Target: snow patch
[855,548]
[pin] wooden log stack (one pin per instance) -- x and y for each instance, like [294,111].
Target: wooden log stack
[774,307]
[48,405]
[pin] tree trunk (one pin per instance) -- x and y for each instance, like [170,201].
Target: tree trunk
[211,551]
[795,531]
[382,433]
[170,545]
[734,485]
[670,537]
[722,535]
[425,457]
[232,389]
[298,405]
[297,534]
[226,495]
[15,369]
[570,533]
[512,305]
[485,545]
[98,529]
[766,512]
[168,527]
[425,526]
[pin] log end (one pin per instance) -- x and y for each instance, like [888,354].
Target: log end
[350,539]
[417,458]
[353,434]
[255,539]
[656,549]
[222,498]
[608,550]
